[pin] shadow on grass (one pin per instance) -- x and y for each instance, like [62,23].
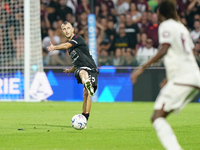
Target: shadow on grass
[50,125]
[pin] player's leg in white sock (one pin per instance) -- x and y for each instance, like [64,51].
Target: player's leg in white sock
[166,134]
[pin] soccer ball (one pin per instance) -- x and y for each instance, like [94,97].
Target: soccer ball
[79,122]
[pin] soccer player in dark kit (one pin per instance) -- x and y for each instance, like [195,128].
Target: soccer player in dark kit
[84,67]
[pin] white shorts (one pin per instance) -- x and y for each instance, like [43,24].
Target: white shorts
[174,97]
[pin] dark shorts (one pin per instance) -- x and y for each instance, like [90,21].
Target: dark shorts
[93,76]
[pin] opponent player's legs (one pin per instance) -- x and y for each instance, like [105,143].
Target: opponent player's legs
[86,82]
[171,98]
[164,130]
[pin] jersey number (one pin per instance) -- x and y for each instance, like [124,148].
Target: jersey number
[92,79]
[183,43]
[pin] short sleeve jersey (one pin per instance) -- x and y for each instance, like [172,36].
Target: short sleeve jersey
[80,53]
[179,59]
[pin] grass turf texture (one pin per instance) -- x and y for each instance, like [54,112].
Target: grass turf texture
[112,126]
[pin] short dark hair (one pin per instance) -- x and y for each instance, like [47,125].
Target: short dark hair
[167,8]
[65,22]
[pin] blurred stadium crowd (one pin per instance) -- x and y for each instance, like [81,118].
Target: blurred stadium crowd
[127,30]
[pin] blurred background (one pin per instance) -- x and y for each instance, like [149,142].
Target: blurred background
[126,36]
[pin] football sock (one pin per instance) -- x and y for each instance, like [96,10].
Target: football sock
[86,114]
[166,134]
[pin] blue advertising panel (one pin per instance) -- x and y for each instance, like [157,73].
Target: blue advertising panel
[112,87]
[12,86]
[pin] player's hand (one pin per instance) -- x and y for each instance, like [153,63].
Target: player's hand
[67,71]
[135,74]
[51,48]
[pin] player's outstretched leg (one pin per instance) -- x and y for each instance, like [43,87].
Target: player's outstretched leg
[164,131]
[86,104]
[86,82]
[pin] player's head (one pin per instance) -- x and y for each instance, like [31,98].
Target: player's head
[67,29]
[167,10]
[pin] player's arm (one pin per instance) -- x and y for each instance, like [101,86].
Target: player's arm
[69,70]
[159,55]
[63,46]
[162,84]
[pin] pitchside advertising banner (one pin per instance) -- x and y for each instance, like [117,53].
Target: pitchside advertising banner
[114,85]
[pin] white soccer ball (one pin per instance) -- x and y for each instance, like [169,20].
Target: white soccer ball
[79,122]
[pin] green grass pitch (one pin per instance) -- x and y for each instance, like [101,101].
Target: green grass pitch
[112,126]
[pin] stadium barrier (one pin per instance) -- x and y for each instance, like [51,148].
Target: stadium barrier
[114,85]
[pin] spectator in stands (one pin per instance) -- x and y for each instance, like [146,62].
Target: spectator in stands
[42,11]
[198,40]
[84,6]
[104,22]
[44,29]
[19,57]
[149,15]
[51,12]
[109,36]
[182,5]
[11,29]
[193,8]
[122,40]
[183,21]
[152,30]
[46,57]
[122,7]
[142,43]
[104,13]
[55,59]
[100,31]
[197,52]
[147,52]
[132,31]
[73,4]
[197,47]
[196,32]
[152,5]
[197,17]
[62,10]
[82,23]
[103,58]
[118,59]
[142,5]
[143,24]
[109,3]
[122,19]
[135,14]
[129,59]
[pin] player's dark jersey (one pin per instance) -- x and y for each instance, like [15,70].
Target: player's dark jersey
[80,53]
